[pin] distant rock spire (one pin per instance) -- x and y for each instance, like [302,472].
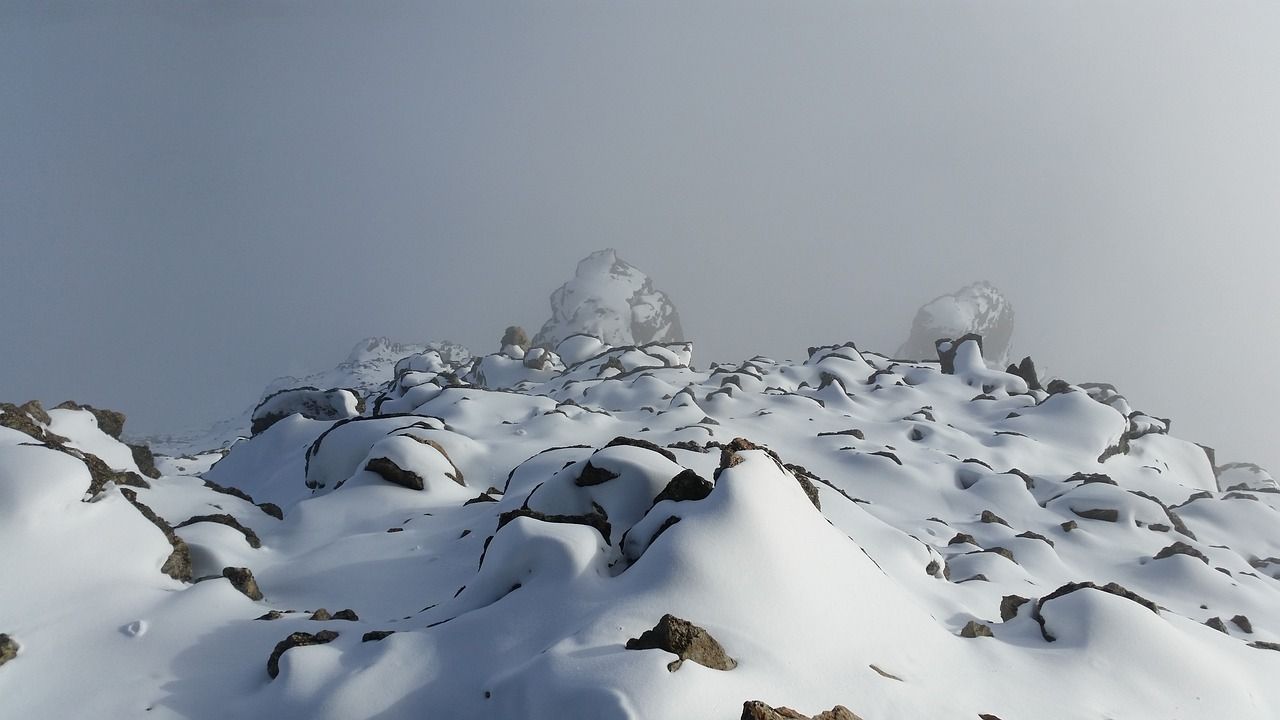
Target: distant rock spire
[612,300]
[979,309]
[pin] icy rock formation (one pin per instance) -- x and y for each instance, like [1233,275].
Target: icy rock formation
[978,309]
[610,299]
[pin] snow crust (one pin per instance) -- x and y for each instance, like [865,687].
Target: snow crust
[571,499]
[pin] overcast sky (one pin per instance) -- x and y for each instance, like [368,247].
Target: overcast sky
[196,197]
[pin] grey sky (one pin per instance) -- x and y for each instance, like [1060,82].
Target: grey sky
[196,197]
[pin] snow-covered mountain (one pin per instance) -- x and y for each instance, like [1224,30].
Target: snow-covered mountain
[978,309]
[612,300]
[605,532]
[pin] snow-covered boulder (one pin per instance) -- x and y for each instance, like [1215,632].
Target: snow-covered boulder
[310,403]
[612,300]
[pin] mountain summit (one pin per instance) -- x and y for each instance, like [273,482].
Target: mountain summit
[612,300]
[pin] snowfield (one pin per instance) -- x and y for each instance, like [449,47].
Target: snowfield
[503,536]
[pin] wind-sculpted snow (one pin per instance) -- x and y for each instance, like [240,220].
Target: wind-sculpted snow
[611,532]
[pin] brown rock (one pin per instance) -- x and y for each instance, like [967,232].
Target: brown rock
[298,639]
[975,629]
[687,641]
[8,648]
[242,580]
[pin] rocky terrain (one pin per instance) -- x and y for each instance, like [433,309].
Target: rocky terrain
[611,532]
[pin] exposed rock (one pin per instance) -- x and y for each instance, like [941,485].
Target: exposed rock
[321,615]
[1009,605]
[349,615]
[515,336]
[145,460]
[596,520]
[1181,548]
[389,471]
[1243,623]
[310,402]
[975,629]
[978,309]
[687,485]
[223,519]
[1027,371]
[242,579]
[270,615]
[110,422]
[1217,624]
[1264,645]
[611,300]
[376,635]
[946,349]
[1035,536]
[1111,588]
[990,517]
[756,710]
[271,509]
[729,457]
[635,442]
[962,538]
[8,648]
[1103,514]
[483,497]
[687,641]
[1069,525]
[178,564]
[593,475]
[298,639]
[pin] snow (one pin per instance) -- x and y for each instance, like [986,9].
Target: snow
[538,546]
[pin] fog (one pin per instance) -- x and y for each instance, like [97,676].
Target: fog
[196,197]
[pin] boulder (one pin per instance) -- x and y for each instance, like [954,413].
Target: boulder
[242,579]
[298,639]
[978,309]
[310,402]
[687,641]
[8,648]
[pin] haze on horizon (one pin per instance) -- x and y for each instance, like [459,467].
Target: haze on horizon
[197,197]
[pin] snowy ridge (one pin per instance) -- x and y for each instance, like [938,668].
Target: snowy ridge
[505,538]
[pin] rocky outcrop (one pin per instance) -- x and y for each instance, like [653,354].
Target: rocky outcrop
[8,648]
[298,639]
[687,641]
[242,579]
[978,309]
[309,402]
[756,710]
[178,564]
[610,299]
[110,422]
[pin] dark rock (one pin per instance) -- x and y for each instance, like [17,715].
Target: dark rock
[515,335]
[947,356]
[1217,624]
[270,615]
[987,716]
[271,509]
[1243,623]
[593,475]
[1002,552]
[1264,645]
[1035,536]
[1057,387]
[1181,548]
[8,648]
[1090,478]
[1103,514]
[975,629]
[687,485]
[18,418]
[1009,605]
[298,639]
[634,442]
[310,402]
[223,519]
[595,519]
[1027,371]
[242,579]
[853,432]
[395,529]
[348,615]
[389,471]
[1069,525]
[178,564]
[145,460]
[481,498]
[110,422]
[962,538]
[756,710]
[687,641]
[1111,588]
[321,615]
[990,517]
[376,635]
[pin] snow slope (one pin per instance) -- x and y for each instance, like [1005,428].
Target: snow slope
[901,541]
